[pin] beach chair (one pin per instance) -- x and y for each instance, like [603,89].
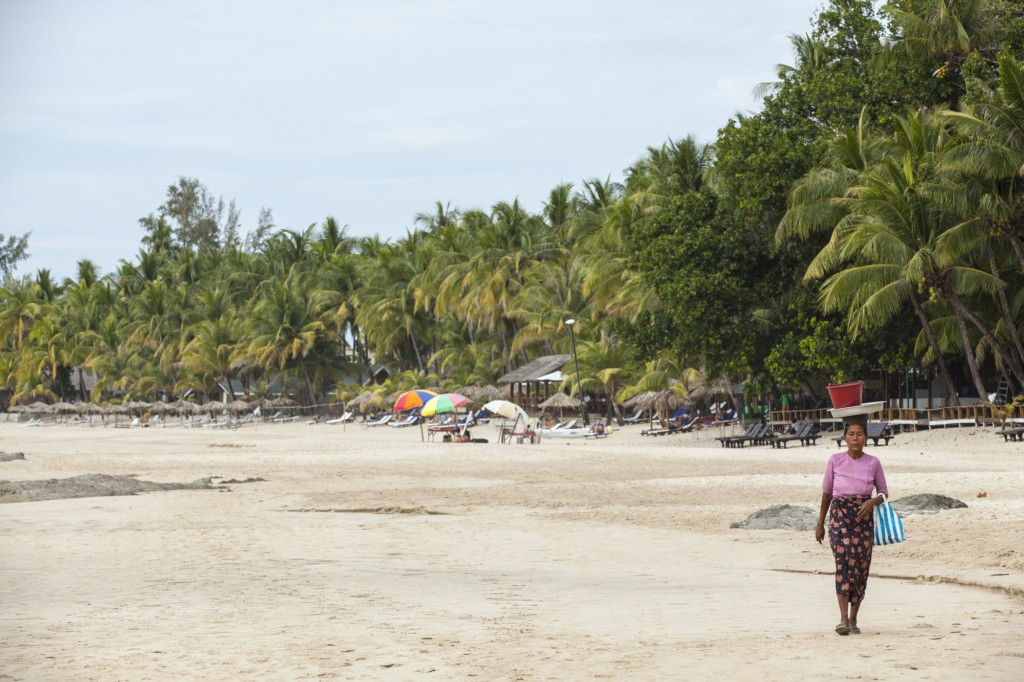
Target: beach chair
[658,431]
[380,421]
[411,420]
[198,420]
[738,441]
[637,418]
[1013,434]
[247,419]
[683,428]
[802,432]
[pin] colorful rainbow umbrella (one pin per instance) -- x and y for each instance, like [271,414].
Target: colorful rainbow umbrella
[412,399]
[446,402]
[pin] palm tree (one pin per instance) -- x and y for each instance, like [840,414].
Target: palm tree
[942,34]
[991,154]
[20,305]
[890,236]
[213,349]
[284,327]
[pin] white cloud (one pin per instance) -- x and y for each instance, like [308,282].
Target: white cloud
[366,111]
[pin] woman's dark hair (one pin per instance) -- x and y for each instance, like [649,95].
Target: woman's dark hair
[846,427]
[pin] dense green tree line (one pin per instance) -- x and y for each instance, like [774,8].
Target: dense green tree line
[869,215]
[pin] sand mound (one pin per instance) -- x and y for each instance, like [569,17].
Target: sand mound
[11,456]
[925,503]
[90,485]
[780,516]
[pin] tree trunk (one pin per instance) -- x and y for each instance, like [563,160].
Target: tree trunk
[416,350]
[309,383]
[1018,250]
[939,358]
[231,389]
[81,385]
[1009,359]
[361,350]
[1011,324]
[972,361]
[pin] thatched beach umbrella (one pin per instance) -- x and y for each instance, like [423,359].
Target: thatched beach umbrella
[704,389]
[561,401]
[664,402]
[238,406]
[638,401]
[364,400]
[136,405]
[39,407]
[476,394]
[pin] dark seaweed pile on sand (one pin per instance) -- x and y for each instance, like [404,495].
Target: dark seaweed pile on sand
[91,485]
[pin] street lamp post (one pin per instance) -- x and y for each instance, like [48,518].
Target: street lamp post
[579,389]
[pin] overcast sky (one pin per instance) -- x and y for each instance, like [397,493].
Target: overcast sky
[365,111]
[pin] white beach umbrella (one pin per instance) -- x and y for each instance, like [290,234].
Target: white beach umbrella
[504,408]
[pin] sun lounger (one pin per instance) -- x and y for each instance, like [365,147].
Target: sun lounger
[637,418]
[804,432]
[411,420]
[740,440]
[669,430]
[380,421]
[1012,434]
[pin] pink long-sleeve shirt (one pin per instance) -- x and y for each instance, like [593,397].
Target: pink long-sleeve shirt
[849,477]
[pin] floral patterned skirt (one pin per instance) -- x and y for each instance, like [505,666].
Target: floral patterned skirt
[851,542]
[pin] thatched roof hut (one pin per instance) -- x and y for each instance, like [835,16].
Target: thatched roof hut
[529,384]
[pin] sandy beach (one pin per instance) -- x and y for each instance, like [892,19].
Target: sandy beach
[366,554]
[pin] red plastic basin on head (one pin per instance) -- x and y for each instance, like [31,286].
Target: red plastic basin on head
[846,395]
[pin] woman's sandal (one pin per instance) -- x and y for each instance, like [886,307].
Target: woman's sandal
[842,629]
[854,630]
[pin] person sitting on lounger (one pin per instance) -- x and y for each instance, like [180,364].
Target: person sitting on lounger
[598,428]
[464,437]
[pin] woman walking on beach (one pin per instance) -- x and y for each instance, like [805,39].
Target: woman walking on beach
[850,477]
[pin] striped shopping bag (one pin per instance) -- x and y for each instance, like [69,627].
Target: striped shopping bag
[888,525]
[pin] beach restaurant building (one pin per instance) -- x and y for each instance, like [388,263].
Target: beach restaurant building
[536,381]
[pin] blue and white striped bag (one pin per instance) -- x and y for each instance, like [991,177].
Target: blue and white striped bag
[888,525]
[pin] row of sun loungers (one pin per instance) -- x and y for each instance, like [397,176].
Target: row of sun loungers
[756,433]
[805,432]
[762,434]
[667,431]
